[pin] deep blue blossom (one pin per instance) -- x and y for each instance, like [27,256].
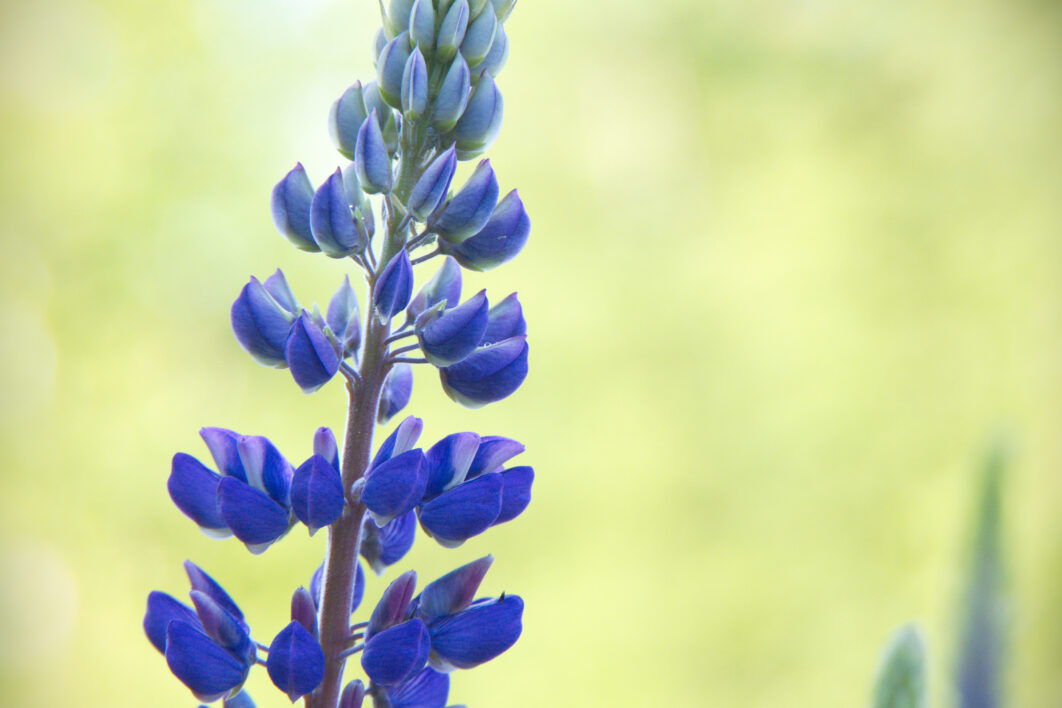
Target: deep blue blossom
[447,337]
[295,662]
[382,547]
[500,239]
[489,374]
[428,689]
[443,287]
[261,324]
[394,287]
[470,208]
[397,388]
[317,493]
[290,207]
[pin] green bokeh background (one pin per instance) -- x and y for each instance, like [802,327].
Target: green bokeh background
[792,266]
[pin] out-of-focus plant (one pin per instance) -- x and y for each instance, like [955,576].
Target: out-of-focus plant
[901,681]
[433,103]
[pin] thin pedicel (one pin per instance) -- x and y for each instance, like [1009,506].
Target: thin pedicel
[432,104]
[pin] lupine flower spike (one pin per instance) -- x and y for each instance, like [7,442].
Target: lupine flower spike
[388,207]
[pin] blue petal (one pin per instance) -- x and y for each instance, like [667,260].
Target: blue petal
[422,25]
[324,444]
[396,654]
[499,52]
[201,665]
[401,439]
[223,448]
[277,286]
[205,584]
[480,35]
[493,452]
[295,662]
[317,493]
[394,287]
[194,490]
[331,219]
[506,319]
[260,324]
[452,30]
[393,606]
[448,338]
[390,65]
[161,610]
[386,546]
[266,469]
[489,374]
[449,460]
[310,356]
[498,242]
[397,388]
[516,492]
[414,86]
[395,487]
[227,631]
[431,187]
[477,634]
[470,209]
[253,517]
[454,591]
[443,286]
[428,689]
[290,207]
[357,593]
[464,511]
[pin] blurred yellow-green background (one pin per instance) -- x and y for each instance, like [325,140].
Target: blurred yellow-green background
[792,266]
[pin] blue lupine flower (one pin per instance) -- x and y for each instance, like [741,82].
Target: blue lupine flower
[254,518]
[261,324]
[516,492]
[481,121]
[444,286]
[385,117]
[343,318]
[324,444]
[384,546]
[371,159]
[498,242]
[477,634]
[470,208]
[209,649]
[331,220]
[506,319]
[448,337]
[451,31]
[317,493]
[295,662]
[414,86]
[397,653]
[493,452]
[194,490]
[479,37]
[389,67]
[430,188]
[428,689]
[393,288]
[290,207]
[310,356]
[357,592]
[394,487]
[489,374]
[345,118]
[453,96]
[397,388]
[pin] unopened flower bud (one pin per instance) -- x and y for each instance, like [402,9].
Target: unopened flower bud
[346,116]
[481,121]
[422,26]
[498,242]
[290,207]
[414,86]
[453,95]
[389,67]
[310,356]
[430,189]
[260,324]
[394,286]
[331,218]
[343,317]
[397,388]
[371,160]
[452,30]
[444,286]
[295,662]
[396,19]
[454,334]
[503,8]
[476,44]
[499,52]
